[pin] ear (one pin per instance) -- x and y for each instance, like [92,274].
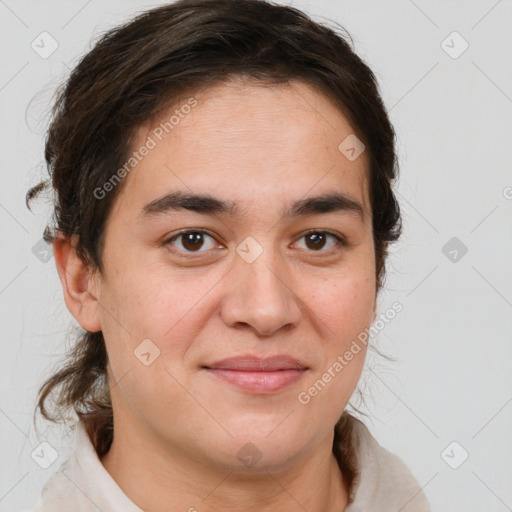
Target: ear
[79,285]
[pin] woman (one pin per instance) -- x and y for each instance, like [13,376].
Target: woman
[223,175]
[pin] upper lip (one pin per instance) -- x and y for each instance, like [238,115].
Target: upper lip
[258,364]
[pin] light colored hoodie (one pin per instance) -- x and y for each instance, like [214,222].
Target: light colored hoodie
[382,482]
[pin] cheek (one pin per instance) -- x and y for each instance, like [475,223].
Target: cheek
[344,302]
[345,306]
[154,303]
[148,329]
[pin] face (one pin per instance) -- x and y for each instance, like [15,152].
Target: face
[257,270]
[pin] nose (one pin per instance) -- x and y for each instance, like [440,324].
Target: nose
[259,297]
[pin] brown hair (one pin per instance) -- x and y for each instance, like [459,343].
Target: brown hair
[138,69]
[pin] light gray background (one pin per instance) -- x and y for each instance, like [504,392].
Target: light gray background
[453,116]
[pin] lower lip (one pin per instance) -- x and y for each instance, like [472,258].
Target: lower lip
[258,382]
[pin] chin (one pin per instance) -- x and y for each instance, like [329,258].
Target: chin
[254,451]
[251,460]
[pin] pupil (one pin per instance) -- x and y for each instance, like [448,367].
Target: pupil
[193,239]
[317,238]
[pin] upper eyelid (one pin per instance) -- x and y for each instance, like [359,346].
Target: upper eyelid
[189,230]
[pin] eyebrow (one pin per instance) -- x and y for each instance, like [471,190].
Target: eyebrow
[208,205]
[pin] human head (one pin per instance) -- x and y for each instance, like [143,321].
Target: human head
[131,77]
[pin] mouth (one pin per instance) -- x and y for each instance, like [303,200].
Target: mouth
[258,375]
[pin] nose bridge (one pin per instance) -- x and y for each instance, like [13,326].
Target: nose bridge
[260,295]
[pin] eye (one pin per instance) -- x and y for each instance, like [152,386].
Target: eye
[318,240]
[198,241]
[192,241]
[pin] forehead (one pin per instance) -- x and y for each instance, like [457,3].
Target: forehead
[248,143]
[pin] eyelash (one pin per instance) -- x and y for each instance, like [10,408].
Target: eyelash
[339,239]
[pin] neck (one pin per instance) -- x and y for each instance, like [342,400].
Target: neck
[153,480]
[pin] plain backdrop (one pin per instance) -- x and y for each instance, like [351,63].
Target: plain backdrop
[445,405]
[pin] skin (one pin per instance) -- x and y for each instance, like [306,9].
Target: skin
[177,429]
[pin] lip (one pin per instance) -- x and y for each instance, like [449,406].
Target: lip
[258,375]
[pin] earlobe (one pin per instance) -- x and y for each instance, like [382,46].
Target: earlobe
[78,283]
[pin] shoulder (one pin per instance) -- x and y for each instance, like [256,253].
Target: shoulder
[59,493]
[382,480]
[82,483]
